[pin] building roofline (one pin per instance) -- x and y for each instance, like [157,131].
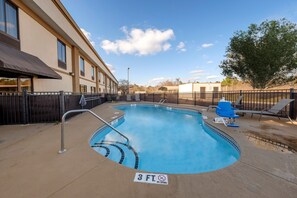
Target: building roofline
[67,15]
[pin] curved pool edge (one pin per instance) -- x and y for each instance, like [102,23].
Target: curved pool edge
[228,138]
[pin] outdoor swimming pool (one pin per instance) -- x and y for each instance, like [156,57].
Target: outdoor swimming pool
[165,140]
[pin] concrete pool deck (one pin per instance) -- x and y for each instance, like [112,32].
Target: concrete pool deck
[30,165]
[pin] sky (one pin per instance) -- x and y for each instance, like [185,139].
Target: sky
[167,39]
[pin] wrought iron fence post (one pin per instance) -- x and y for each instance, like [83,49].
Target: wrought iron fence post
[62,104]
[25,107]
[153,97]
[292,110]
[195,98]
[177,97]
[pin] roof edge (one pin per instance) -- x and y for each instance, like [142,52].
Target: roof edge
[64,11]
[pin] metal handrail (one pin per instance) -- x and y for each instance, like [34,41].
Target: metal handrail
[62,150]
[162,101]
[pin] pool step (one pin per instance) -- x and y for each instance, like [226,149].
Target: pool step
[125,150]
[113,145]
[106,149]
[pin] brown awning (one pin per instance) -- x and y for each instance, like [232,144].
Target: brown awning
[15,63]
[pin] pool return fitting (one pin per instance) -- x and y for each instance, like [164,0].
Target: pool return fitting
[62,150]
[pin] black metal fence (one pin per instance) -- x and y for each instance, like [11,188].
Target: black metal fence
[252,99]
[41,107]
[38,107]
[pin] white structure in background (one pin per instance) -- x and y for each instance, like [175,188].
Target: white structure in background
[199,87]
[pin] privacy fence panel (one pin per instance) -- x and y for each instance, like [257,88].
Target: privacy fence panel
[11,110]
[42,107]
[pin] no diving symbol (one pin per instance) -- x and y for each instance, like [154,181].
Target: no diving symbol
[162,178]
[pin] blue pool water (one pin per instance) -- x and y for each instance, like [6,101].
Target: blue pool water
[165,140]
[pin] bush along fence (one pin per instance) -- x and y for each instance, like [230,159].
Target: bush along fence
[252,99]
[42,107]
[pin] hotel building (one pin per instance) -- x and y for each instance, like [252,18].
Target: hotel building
[43,49]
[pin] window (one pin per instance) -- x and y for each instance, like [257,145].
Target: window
[61,54]
[202,92]
[82,66]
[103,79]
[93,73]
[9,18]
[83,88]
[215,92]
[12,84]
[99,76]
[93,89]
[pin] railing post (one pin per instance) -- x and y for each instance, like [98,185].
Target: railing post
[62,104]
[153,97]
[195,98]
[291,110]
[177,97]
[212,98]
[25,107]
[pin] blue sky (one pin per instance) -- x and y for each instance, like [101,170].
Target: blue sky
[167,39]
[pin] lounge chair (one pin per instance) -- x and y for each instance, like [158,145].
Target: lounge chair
[129,98]
[137,97]
[274,110]
[227,114]
[236,104]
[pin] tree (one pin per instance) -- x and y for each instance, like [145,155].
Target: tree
[229,81]
[264,55]
[123,86]
[163,89]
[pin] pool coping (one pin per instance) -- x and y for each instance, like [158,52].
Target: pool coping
[215,130]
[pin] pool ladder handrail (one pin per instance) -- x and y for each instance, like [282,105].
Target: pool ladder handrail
[162,100]
[62,150]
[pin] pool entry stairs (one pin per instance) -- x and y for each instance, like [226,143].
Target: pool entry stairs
[119,152]
[123,153]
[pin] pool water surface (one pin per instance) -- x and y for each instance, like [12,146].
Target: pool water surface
[165,140]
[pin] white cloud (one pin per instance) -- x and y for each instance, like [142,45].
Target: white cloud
[88,35]
[190,79]
[157,80]
[197,72]
[111,68]
[209,62]
[207,45]
[211,77]
[140,42]
[181,47]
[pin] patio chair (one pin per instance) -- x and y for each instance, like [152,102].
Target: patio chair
[129,98]
[235,104]
[137,97]
[227,114]
[274,110]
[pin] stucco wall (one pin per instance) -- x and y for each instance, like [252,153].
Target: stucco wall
[53,85]
[185,88]
[38,41]
[51,10]
[208,86]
